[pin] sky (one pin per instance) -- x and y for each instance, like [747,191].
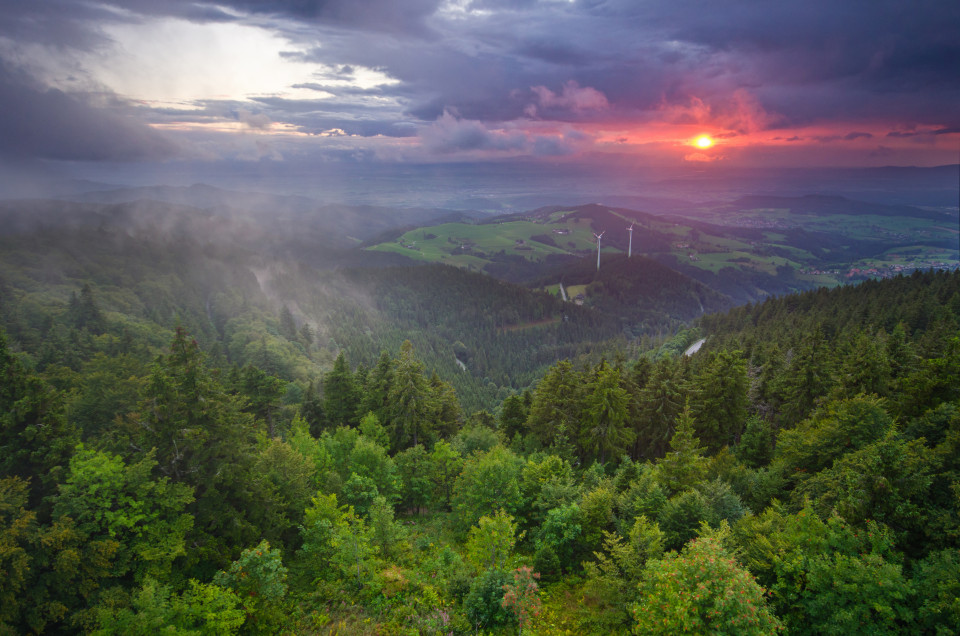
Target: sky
[308,83]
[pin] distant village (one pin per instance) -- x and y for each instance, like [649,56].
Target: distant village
[882,271]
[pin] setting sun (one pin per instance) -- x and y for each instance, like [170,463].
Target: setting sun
[703,141]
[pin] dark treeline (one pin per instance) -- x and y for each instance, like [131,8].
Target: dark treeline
[798,474]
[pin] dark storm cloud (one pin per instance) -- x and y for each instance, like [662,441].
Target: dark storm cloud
[803,62]
[389,16]
[750,65]
[38,122]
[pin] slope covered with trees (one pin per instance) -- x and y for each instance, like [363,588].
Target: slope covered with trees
[798,474]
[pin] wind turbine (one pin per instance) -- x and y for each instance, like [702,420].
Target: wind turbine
[630,244]
[598,247]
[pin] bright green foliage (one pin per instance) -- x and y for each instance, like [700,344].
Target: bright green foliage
[701,591]
[605,430]
[373,430]
[561,532]
[416,487]
[385,533]
[201,610]
[369,460]
[490,543]
[336,543]
[489,482]
[597,515]
[360,492]
[685,464]
[339,444]
[445,466]
[310,448]
[340,395]
[720,404]
[259,578]
[522,597]
[110,500]
[475,438]
[545,483]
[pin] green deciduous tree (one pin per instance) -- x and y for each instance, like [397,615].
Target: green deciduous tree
[489,482]
[703,591]
[490,543]
[110,500]
[259,579]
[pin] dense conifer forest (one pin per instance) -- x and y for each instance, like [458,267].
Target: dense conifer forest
[799,474]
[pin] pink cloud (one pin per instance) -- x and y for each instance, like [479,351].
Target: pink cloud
[573,98]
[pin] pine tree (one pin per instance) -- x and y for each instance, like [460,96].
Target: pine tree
[660,403]
[376,390]
[340,395]
[721,402]
[606,427]
[36,439]
[409,399]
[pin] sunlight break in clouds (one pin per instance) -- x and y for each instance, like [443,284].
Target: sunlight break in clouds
[175,63]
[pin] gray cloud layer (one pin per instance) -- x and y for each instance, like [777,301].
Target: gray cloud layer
[466,69]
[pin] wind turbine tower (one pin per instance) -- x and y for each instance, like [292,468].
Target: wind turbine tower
[630,244]
[598,247]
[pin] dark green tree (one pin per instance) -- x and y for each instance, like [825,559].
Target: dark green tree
[36,439]
[556,404]
[605,429]
[661,400]
[410,401]
[513,415]
[340,395]
[720,403]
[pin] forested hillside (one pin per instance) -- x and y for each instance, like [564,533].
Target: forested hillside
[244,292]
[799,474]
